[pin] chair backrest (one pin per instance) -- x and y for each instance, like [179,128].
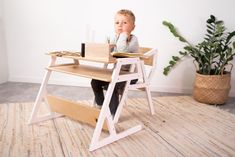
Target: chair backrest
[150,56]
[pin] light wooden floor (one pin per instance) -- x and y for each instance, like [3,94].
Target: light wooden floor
[180,127]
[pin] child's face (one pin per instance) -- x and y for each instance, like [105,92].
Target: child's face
[123,24]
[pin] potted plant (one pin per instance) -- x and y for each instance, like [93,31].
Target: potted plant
[211,57]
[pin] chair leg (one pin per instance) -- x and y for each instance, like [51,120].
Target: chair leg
[150,102]
[122,103]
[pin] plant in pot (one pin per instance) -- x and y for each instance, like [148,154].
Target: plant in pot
[211,57]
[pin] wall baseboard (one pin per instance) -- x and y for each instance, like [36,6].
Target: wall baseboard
[86,83]
[185,90]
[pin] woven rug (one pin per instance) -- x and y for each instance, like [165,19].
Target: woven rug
[180,127]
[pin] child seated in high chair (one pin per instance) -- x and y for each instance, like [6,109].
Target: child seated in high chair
[124,41]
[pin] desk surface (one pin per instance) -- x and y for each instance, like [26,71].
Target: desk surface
[111,59]
[95,59]
[87,71]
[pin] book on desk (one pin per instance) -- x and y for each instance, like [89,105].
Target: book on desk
[126,54]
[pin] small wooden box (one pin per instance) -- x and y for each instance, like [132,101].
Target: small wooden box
[98,51]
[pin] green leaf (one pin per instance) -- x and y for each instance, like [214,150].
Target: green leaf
[183,53]
[209,21]
[210,32]
[219,22]
[209,26]
[230,36]
[166,70]
[175,58]
[174,31]
[212,17]
[182,39]
[188,48]
[172,63]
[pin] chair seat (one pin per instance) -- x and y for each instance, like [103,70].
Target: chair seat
[140,86]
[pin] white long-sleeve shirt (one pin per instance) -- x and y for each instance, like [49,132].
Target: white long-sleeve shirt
[122,45]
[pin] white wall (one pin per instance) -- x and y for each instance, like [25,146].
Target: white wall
[3,53]
[36,27]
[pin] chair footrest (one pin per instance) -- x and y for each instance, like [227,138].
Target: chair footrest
[140,86]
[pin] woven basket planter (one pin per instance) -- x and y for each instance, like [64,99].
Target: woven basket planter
[212,89]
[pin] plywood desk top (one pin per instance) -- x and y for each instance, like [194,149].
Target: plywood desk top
[76,55]
[87,71]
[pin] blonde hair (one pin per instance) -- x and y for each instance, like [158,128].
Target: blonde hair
[126,12]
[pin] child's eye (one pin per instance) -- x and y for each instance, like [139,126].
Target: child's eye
[125,22]
[116,23]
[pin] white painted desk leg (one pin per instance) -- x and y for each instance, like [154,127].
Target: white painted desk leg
[33,118]
[147,89]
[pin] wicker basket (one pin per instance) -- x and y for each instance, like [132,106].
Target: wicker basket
[212,89]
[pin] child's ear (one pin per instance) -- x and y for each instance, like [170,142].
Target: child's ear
[133,27]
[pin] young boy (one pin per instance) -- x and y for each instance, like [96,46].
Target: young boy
[124,41]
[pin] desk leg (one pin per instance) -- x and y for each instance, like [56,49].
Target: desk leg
[41,94]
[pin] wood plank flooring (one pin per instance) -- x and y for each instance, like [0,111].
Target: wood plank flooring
[180,127]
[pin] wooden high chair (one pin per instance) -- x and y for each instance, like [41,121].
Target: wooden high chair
[148,60]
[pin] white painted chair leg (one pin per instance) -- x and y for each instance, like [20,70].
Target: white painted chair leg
[150,102]
[122,103]
[114,138]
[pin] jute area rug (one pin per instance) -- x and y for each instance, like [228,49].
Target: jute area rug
[180,127]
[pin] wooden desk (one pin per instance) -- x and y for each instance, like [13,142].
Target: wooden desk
[101,119]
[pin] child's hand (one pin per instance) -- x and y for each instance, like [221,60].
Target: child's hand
[124,32]
[111,47]
[128,34]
